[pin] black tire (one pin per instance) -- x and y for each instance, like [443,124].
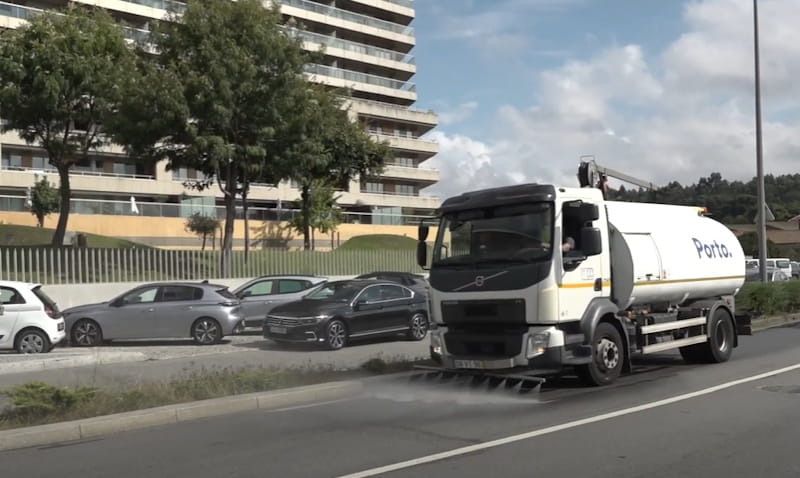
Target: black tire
[206,331]
[32,341]
[86,333]
[418,328]
[608,357]
[719,347]
[335,335]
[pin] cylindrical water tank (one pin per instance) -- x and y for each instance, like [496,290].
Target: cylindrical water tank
[664,253]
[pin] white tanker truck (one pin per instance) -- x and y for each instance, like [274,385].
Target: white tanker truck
[529,280]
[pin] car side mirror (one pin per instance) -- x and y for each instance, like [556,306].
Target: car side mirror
[246,293]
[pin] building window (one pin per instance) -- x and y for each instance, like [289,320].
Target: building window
[405,190]
[12,161]
[374,188]
[405,162]
[180,174]
[387,215]
[41,163]
[127,169]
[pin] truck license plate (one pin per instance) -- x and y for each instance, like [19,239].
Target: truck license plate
[277,330]
[469,364]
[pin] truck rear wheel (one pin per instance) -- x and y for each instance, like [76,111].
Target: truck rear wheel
[607,357]
[719,346]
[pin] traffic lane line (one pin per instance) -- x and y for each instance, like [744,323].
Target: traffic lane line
[564,426]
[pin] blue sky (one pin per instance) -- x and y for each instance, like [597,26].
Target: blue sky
[659,88]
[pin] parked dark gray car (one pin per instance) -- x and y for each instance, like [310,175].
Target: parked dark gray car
[200,311]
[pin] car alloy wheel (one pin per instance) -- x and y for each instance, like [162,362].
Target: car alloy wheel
[206,332]
[86,333]
[337,335]
[419,327]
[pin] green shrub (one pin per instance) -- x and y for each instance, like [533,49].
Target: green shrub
[37,398]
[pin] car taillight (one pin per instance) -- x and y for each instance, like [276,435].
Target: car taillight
[51,313]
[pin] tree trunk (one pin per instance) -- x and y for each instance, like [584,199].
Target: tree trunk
[203,247]
[230,219]
[305,213]
[63,215]
[245,191]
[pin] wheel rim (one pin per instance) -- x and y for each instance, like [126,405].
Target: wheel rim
[31,344]
[86,333]
[721,334]
[607,354]
[336,335]
[206,331]
[419,326]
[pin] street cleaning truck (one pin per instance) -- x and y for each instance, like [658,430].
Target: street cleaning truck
[532,280]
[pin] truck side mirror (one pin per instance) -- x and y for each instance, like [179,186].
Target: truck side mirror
[422,233]
[591,242]
[422,254]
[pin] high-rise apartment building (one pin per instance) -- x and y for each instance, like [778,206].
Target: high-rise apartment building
[368,45]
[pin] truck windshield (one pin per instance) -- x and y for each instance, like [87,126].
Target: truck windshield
[517,233]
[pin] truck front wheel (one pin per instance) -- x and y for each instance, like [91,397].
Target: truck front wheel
[607,357]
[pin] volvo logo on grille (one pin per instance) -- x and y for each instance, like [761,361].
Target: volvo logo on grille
[479,281]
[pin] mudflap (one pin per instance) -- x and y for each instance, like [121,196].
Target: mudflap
[744,324]
[514,383]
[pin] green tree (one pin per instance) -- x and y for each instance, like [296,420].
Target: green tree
[60,78]
[220,89]
[202,226]
[45,200]
[325,152]
[320,212]
[749,243]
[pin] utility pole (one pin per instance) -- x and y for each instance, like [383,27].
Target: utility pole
[761,217]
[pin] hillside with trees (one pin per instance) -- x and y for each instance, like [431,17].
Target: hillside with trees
[730,202]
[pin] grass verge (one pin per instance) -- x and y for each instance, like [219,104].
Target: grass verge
[772,298]
[36,403]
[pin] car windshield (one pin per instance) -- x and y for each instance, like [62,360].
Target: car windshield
[46,300]
[339,291]
[517,233]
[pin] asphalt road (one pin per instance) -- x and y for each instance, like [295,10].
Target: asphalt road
[666,420]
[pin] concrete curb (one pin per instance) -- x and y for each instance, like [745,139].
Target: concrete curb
[50,362]
[772,322]
[170,414]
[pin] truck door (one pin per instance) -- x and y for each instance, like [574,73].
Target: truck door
[581,278]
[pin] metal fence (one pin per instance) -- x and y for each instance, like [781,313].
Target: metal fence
[86,266]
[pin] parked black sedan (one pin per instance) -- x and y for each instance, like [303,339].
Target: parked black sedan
[343,310]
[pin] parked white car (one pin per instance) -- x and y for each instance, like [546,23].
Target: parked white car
[30,321]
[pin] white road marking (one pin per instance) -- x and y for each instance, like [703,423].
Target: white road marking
[564,426]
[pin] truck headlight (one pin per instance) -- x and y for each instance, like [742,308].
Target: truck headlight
[436,344]
[537,344]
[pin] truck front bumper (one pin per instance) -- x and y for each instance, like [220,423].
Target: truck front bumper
[542,350]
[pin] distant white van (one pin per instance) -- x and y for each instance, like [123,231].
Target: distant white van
[782,263]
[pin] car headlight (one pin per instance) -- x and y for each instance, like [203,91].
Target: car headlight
[537,344]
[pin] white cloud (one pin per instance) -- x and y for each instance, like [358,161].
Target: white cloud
[678,114]
[457,114]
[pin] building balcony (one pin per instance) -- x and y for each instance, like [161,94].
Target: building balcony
[360,52]
[12,16]
[365,24]
[421,175]
[381,199]
[156,9]
[398,7]
[425,120]
[409,143]
[374,84]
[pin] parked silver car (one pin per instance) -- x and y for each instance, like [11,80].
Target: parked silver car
[262,294]
[201,311]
